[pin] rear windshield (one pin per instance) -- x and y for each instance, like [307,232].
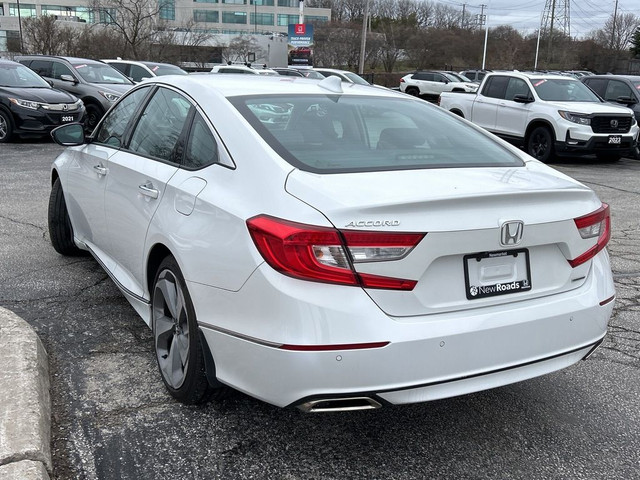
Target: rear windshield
[340,133]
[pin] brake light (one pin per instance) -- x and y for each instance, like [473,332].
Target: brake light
[324,254]
[596,224]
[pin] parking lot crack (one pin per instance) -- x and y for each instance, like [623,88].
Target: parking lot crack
[26,224]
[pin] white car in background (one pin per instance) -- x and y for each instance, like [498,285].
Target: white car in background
[243,69]
[366,249]
[140,70]
[431,84]
[344,75]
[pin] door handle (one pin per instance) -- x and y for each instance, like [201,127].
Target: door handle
[100,170]
[148,190]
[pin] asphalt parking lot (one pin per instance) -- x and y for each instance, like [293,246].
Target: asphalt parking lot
[112,418]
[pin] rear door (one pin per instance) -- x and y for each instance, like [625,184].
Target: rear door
[138,175]
[485,108]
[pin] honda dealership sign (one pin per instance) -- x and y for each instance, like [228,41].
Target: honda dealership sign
[300,44]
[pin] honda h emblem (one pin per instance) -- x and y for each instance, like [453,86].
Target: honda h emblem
[511,233]
[614,123]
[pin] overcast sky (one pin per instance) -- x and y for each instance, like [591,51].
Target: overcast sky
[524,15]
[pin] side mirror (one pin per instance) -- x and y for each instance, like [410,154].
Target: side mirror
[69,135]
[68,78]
[522,98]
[626,100]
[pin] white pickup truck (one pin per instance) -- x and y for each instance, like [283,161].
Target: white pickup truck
[548,114]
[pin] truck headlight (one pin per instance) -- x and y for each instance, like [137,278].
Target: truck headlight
[578,118]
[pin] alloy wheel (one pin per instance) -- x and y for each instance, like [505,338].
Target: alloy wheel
[171,329]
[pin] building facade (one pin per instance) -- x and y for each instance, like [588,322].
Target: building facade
[224,17]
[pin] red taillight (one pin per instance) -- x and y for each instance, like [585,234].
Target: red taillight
[323,254]
[595,224]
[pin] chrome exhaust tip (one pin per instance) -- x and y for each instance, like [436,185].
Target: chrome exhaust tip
[339,405]
[593,349]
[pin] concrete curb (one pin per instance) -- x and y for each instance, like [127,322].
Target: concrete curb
[25,404]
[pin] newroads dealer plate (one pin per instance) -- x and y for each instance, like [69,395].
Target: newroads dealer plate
[489,274]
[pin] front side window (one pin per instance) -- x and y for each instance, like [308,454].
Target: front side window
[617,89]
[340,133]
[563,90]
[160,126]
[516,86]
[202,149]
[114,125]
[60,69]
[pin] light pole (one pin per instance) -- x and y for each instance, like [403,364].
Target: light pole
[363,40]
[255,17]
[20,27]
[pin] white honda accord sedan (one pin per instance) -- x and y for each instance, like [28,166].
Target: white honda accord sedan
[331,246]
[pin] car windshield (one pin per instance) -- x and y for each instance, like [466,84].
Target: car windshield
[101,73]
[563,90]
[451,77]
[160,70]
[20,76]
[462,77]
[356,78]
[341,133]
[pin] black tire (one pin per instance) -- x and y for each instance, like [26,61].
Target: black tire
[177,341]
[608,157]
[540,144]
[413,91]
[6,127]
[60,229]
[92,117]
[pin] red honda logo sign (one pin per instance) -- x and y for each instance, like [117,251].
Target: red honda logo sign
[300,29]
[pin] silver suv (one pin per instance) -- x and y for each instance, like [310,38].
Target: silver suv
[94,82]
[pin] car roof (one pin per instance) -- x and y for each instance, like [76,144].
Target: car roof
[72,60]
[627,77]
[239,85]
[137,62]
[533,75]
[4,61]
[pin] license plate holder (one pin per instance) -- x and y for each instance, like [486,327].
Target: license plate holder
[615,139]
[490,274]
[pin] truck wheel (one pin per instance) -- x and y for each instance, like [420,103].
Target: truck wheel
[540,144]
[413,91]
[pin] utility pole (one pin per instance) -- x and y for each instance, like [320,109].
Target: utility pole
[613,30]
[464,9]
[363,40]
[553,17]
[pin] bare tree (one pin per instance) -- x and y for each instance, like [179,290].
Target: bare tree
[42,35]
[239,49]
[134,20]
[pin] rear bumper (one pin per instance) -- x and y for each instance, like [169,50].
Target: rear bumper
[440,356]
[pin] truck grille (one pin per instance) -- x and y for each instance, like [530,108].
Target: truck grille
[610,124]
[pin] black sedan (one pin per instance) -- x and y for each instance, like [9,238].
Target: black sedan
[28,104]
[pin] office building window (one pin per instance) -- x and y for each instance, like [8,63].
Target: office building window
[284,20]
[206,16]
[167,9]
[234,17]
[261,19]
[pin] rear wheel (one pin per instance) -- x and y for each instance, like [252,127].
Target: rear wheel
[60,229]
[177,341]
[6,127]
[540,144]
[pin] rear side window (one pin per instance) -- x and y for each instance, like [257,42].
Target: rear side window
[598,85]
[423,76]
[202,149]
[496,87]
[42,67]
[342,133]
